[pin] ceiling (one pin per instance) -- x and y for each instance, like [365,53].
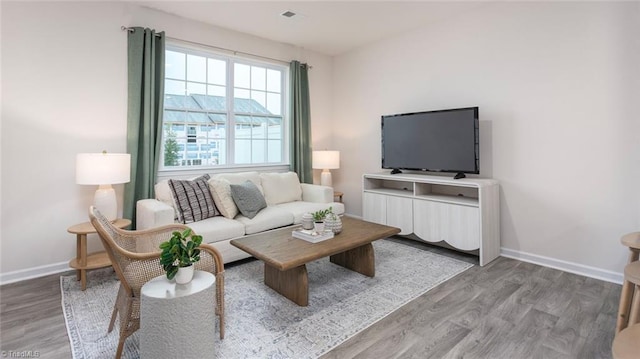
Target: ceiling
[327,27]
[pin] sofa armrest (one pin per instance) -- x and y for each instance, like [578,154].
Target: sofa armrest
[316,193]
[151,213]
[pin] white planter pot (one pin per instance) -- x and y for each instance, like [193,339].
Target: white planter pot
[318,227]
[184,275]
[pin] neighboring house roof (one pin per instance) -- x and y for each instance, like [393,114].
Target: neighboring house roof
[177,109]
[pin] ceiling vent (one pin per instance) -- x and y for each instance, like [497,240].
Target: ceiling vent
[288,14]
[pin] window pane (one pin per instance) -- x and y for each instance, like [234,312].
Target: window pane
[275,129]
[219,155]
[274,102]
[274,80]
[242,151]
[243,127]
[172,87]
[258,78]
[241,93]
[274,151]
[175,65]
[214,103]
[194,88]
[259,127]
[242,101]
[196,68]
[258,154]
[241,76]
[172,153]
[216,91]
[217,73]
[174,116]
[260,98]
[219,123]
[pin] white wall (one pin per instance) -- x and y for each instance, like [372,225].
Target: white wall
[558,86]
[64,91]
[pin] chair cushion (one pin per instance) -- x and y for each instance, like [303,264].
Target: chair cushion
[268,218]
[248,198]
[193,199]
[221,193]
[281,187]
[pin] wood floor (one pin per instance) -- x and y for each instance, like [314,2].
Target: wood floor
[507,309]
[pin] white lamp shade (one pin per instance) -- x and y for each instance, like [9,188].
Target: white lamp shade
[326,160]
[103,168]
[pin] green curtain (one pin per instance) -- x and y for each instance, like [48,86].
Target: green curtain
[300,154]
[144,115]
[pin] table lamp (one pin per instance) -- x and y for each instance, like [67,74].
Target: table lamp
[325,161]
[104,169]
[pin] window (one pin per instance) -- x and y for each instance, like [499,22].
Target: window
[221,110]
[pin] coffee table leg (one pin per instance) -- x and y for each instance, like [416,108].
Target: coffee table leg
[292,284]
[361,259]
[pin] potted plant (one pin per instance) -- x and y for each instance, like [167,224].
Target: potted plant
[318,219]
[178,255]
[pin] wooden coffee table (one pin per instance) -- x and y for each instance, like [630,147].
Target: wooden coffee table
[285,257]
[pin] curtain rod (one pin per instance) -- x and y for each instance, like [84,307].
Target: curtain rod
[235,52]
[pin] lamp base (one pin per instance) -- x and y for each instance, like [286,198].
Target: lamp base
[105,201]
[325,178]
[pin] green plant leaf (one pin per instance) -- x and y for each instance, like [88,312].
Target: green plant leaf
[171,272]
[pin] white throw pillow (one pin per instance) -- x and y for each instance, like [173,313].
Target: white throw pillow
[164,195]
[281,187]
[241,177]
[221,192]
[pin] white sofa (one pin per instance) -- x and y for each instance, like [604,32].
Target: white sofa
[287,200]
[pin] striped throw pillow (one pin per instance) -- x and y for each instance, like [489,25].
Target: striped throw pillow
[193,199]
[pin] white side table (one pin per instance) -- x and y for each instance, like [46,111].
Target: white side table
[178,321]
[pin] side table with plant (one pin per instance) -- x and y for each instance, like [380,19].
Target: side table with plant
[179,254]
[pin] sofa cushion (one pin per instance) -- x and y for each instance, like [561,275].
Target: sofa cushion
[281,187]
[241,177]
[221,193]
[297,209]
[217,229]
[268,218]
[193,199]
[248,198]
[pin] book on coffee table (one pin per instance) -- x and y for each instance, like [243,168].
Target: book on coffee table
[310,235]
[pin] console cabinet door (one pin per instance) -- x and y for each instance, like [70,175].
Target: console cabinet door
[427,220]
[400,214]
[462,227]
[374,208]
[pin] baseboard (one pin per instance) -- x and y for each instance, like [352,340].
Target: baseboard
[576,268]
[35,272]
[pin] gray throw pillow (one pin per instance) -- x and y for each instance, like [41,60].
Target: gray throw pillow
[248,198]
[193,199]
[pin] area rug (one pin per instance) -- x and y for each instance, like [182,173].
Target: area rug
[262,324]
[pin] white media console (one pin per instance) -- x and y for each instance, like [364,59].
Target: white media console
[464,213]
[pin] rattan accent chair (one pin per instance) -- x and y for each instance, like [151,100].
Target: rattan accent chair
[135,256]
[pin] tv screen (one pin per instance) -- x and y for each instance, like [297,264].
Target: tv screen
[438,141]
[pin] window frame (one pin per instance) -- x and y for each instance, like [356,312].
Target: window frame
[230,140]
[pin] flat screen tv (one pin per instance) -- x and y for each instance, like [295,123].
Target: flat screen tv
[435,141]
